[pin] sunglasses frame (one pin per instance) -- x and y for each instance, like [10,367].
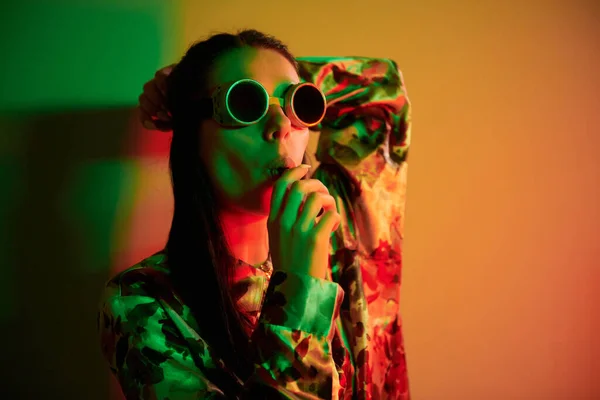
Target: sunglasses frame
[218,101]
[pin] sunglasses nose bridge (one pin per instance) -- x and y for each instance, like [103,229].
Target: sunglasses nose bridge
[277,101]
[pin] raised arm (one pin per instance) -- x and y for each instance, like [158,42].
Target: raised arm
[363,147]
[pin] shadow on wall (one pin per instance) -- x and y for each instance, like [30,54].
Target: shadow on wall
[70,180]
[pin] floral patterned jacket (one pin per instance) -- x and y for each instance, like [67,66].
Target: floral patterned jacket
[334,338]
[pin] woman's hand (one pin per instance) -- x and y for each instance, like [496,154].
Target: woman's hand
[152,102]
[298,240]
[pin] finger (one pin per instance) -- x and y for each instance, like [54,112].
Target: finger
[166,70]
[161,78]
[306,187]
[293,199]
[315,185]
[157,125]
[163,126]
[153,95]
[154,124]
[320,214]
[329,221]
[148,124]
[318,187]
[148,109]
[163,116]
[281,186]
[315,203]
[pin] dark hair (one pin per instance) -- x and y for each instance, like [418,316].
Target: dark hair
[197,251]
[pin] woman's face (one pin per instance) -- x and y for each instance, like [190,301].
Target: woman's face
[237,158]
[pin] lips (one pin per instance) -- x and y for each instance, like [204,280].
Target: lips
[279,165]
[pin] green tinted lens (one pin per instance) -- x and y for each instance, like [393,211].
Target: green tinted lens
[247,101]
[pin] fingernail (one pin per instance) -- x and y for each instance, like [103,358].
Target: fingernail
[149,125]
[307,166]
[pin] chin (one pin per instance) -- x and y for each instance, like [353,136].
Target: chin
[256,201]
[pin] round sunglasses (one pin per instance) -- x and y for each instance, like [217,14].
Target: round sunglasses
[246,101]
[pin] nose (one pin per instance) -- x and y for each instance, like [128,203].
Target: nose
[278,125]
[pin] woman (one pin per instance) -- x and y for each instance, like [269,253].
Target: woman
[242,302]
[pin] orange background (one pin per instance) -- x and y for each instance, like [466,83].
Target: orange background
[501,273]
[502,254]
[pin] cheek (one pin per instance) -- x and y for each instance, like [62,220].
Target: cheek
[231,173]
[224,165]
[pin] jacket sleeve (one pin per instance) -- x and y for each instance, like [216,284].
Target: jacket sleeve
[363,146]
[141,338]
[367,122]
